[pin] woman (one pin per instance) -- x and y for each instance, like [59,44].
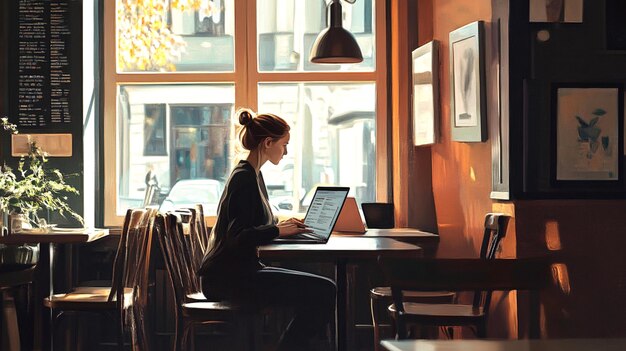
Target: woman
[231,268]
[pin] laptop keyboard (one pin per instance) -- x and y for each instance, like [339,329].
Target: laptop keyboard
[302,236]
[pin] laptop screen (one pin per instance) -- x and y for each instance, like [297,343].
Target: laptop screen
[324,210]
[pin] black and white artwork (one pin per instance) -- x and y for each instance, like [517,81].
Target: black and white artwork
[465,78]
[468,117]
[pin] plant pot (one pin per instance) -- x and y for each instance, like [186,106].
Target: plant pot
[18,222]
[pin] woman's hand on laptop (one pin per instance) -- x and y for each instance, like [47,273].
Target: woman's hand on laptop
[292,226]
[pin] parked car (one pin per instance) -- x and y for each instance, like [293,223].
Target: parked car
[189,192]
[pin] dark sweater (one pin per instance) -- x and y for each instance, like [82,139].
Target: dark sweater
[244,222]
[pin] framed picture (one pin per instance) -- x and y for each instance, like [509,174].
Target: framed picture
[425,76]
[587,132]
[556,11]
[467,83]
[615,25]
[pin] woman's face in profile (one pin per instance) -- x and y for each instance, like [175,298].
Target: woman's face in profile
[277,149]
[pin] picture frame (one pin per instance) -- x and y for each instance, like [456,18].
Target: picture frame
[615,26]
[556,11]
[587,134]
[425,93]
[468,117]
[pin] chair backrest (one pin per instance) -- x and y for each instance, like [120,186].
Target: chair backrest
[131,271]
[378,214]
[479,274]
[168,228]
[151,195]
[198,237]
[189,243]
[202,230]
[495,230]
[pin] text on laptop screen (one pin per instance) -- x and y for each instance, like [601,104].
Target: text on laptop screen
[324,210]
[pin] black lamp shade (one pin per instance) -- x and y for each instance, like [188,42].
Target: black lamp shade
[335,44]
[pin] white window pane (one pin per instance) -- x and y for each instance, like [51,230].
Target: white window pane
[182,133]
[333,140]
[287,29]
[168,36]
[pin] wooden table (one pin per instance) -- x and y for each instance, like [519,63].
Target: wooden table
[394,233]
[341,251]
[44,273]
[426,240]
[506,345]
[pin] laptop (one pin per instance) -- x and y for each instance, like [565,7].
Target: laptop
[321,216]
[350,220]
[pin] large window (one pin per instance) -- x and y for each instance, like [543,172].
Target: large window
[177,70]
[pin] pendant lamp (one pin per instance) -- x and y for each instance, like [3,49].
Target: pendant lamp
[335,44]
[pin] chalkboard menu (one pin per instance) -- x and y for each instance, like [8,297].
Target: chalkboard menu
[44,89]
[45,64]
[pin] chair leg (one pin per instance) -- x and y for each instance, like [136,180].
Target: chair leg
[181,339]
[481,331]
[9,314]
[179,333]
[53,327]
[192,336]
[257,331]
[375,324]
[401,332]
[25,316]
[448,332]
[120,332]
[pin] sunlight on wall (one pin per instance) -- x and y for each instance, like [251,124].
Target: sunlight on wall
[561,277]
[553,238]
[472,174]
[512,317]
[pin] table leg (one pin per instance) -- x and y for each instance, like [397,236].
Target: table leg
[342,294]
[50,293]
[40,289]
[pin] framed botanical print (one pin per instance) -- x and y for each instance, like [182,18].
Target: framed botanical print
[588,133]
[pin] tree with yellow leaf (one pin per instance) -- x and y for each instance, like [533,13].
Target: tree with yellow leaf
[145,41]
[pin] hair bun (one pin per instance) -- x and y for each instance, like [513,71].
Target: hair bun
[245,117]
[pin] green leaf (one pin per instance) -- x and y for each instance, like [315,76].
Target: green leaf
[599,112]
[582,121]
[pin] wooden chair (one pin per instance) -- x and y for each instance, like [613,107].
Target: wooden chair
[381,215]
[199,236]
[169,231]
[469,274]
[17,268]
[463,274]
[126,299]
[192,246]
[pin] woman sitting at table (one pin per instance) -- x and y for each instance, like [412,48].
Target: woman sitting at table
[231,268]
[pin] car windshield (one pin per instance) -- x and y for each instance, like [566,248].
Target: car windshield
[190,193]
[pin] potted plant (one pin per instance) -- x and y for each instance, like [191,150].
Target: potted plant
[33,187]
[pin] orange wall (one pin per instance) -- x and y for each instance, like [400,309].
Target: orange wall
[587,298]
[461,172]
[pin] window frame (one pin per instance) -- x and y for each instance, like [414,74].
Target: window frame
[245,45]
